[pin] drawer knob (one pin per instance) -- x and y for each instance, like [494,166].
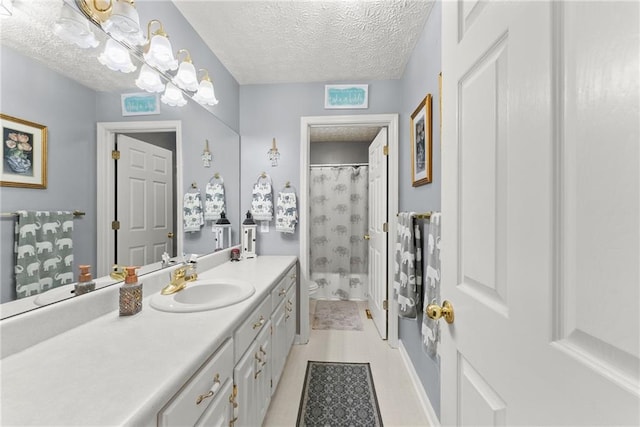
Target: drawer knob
[282,292]
[259,323]
[210,393]
[262,351]
[255,377]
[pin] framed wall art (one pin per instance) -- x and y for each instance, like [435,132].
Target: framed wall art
[421,143]
[24,153]
[346,96]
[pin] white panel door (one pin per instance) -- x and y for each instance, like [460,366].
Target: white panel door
[541,208]
[377,236]
[144,202]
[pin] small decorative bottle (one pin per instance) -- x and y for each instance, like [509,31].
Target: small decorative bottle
[130,294]
[85,284]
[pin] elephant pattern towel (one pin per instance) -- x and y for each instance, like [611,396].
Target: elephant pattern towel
[214,200]
[192,209]
[407,279]
[430,327]
[286,212]
[44,251]
[262,199]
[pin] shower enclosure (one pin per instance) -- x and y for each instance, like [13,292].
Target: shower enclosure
[338,222]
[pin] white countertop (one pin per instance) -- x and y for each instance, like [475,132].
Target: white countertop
[122,370]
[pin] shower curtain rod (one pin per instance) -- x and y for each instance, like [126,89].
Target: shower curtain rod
[333,165]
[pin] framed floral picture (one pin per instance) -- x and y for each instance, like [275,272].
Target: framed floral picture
[421,143]
[24,153]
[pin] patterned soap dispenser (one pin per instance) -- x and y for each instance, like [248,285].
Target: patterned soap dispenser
[130,293]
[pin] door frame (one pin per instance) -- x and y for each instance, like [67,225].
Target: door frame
[391,122]
[105,194]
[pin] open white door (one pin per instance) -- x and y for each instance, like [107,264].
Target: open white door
[144,202]
[541,208]
[377,234]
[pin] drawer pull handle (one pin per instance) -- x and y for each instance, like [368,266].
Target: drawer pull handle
[216,386]
[262,351]
[282,292]
[259,323]
[255,377]
[293,276]
[289,309]
[287,317]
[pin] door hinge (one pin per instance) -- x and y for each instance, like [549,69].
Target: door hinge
[385,150]
[115,225]
[385,305]
[115,155]
[385,227]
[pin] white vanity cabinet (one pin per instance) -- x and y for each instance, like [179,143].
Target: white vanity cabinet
[283,322]
[207,391]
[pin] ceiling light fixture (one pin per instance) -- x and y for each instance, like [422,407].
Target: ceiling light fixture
[173,96]
[124,23]
[159,53]
[149,80]
[186,77]
[73,28]
[116,57]
[6,7]
[205,95]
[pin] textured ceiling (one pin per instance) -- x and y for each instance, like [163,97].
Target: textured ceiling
[343,133]
[309,41]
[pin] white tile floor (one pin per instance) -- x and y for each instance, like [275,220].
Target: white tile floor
[399,404]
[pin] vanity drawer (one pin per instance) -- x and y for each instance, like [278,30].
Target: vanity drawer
[251,327]
[204,387]
[280,291]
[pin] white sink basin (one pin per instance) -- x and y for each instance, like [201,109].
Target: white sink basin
[202,295]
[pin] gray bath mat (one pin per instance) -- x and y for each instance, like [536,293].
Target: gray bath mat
[338,394]
[338,315]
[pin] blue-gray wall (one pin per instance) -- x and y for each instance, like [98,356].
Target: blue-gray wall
[268,111]
[420,78]
[32,92]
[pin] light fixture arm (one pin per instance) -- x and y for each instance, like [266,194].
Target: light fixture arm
[158,32]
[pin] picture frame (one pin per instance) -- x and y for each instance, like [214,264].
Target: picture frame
[24,153]
[355,96]
[421,143]
[140,104]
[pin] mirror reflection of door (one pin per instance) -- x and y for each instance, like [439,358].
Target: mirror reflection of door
[145,198]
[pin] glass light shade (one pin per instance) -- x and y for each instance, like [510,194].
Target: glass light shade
[173,96]
[73,28]
[186,77]
[116,57]
[124,23]
[149,80]
[205,95]
[160,54]
[6,7]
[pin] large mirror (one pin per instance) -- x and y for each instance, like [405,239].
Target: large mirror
[65,88]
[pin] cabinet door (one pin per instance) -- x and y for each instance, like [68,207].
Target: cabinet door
[243,376]
[278,344]
[219,412]
[263,373]
[290,318]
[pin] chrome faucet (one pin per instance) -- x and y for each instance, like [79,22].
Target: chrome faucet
[181,276]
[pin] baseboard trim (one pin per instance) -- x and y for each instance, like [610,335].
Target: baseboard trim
[432,418]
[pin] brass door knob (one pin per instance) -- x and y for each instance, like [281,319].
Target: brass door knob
[435,312]
[367,237]
[170,235]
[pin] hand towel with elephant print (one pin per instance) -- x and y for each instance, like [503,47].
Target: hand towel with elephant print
[262,199]
[286,212]
[407,280]
[214,200]
[430,327]
[44,251]
[192,210]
